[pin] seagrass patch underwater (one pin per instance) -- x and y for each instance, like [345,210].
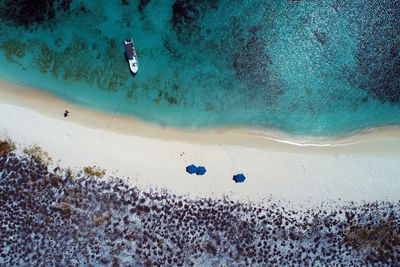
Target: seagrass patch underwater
[308,68]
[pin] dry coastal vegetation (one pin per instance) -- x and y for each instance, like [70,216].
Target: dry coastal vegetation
[94,171]
[6,147]
[38,154]
[55,217]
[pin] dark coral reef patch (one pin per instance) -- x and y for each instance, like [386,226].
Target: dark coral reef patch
[378,52]
[30,13]
[142,5]
[251,61]
[186,15]
[321,37]
[55,218]
[251,64]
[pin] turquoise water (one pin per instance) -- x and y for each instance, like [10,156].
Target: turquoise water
[305,67]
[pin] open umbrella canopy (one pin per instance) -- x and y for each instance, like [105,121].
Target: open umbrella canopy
[239,178]
[201,170]
[191,169]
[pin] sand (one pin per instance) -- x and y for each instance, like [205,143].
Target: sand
[363,166]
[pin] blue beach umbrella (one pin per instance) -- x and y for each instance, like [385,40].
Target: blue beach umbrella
[191,169]
[239,178]
[200,170]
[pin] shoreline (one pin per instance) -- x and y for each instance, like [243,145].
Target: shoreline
[47,104]
[364,168]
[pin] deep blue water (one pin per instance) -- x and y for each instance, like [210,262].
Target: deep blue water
[314,68]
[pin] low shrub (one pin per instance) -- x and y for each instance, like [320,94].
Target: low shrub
[94,171]
[6,147]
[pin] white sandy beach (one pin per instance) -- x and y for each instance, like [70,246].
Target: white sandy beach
[360,167]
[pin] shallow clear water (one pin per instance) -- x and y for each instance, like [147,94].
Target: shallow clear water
[303,67]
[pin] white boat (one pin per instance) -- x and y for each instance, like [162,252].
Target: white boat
[131,56]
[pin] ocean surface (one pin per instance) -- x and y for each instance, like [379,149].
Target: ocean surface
[317,68]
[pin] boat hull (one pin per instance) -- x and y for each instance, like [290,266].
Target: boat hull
[131,57]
